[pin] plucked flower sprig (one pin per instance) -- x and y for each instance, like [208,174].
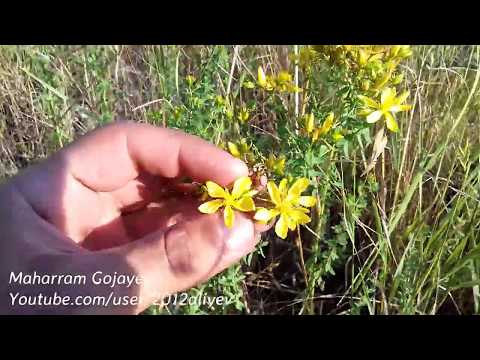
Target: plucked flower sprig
[370,67]
[283,82]
[315,133]
[240,199]
[284,202]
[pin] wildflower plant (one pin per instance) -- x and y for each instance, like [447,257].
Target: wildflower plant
[364,78]
[317,127]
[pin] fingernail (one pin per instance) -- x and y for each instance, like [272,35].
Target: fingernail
[241,238]
[240,167]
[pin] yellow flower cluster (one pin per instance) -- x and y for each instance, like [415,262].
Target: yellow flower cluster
[282,83]
[374,66]
[225,106]
[305,58]
[317,132]
[373,69]
[288,204]
[241,150]
[243,115]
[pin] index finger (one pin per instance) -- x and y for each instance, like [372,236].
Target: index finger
[109,157]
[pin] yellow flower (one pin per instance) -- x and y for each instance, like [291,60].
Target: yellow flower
[325,128]
[362,57]
[177,112]
[284,81]
[229,113]
[307,56]
[264,81]
[248,85]
[394,50]
[219,100]
[227,108]
[190,80]
[388,105]
[337,135]
[240,199]
[284,77]
[402,51]
[234,150]
[276,165]
[309,122]
[243,115]
[241,150]
[289,204]
[291,88]
[327,124]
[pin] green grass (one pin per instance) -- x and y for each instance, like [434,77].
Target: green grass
[401,240]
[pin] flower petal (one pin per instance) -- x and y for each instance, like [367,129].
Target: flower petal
[210,206]
[398,108]
[374,117]
[388,95]
[241,186]
[215,191]
[262,80]
[244,204]
[297,188]
[251,193]
[307,201]
[264,215]
[299,216]
[329,119]
[283,186]
[228,216]
[233,148]
[302,209]
[292,224]
[391,123]
[310,122]
[327,124]
[281,227]
[275,194]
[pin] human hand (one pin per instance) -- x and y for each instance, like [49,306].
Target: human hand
[104,203]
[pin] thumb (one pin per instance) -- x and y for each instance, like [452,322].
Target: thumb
[186,254]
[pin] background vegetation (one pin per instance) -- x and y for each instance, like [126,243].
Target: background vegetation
[395,229]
